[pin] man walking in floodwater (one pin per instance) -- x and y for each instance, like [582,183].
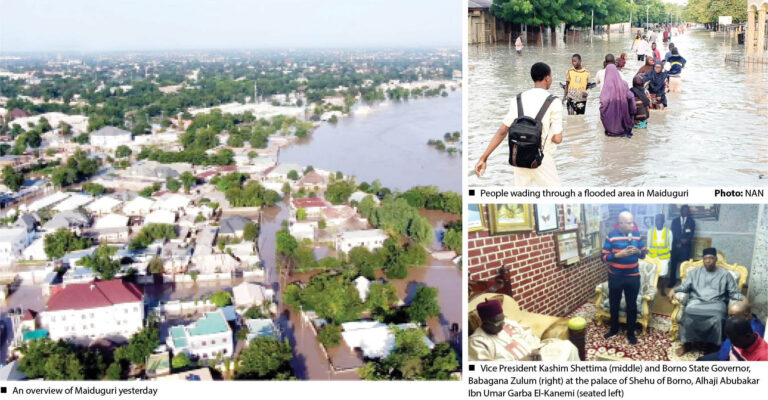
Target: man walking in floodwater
[551,131]
[576,87]
[519,45]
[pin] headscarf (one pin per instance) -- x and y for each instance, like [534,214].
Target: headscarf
[638,90]
[614,106]
[655,79]
[614,87]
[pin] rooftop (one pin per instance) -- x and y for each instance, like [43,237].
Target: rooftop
[110,131]
[309,202]
[79,296]
[212,322]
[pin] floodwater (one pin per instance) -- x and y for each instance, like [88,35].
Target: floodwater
[389,144]
[713,133]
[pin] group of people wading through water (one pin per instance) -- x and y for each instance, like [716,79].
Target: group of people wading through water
[623,107]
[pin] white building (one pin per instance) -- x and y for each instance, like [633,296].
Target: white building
[249,294]
[12,243]
[161,217]
[139,206]
[99,309]
[303,230]
[207,337]
[374,339]
[104,205]
[371,239]
[110,137]
[111,221]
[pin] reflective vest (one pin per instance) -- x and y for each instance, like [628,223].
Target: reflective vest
[660,252]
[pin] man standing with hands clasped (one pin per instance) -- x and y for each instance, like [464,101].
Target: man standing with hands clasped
[683,228]
[622,250]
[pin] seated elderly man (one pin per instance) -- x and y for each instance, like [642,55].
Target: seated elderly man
[500,339]
[709,290]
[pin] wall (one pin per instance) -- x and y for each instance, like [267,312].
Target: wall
[758,277]
[733,233]
[538,284]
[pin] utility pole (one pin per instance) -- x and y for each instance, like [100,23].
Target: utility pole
[630,14]
[646,16]
[592,26]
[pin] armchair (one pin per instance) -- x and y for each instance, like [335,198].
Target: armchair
[739,273]
[543,326]
[649,276]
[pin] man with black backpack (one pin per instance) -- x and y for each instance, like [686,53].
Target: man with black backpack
[533,126]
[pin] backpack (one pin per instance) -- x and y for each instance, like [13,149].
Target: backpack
[526,149]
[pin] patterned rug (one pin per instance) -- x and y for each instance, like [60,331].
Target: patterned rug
[653,346]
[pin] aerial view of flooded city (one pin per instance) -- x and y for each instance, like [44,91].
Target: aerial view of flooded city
[230,208]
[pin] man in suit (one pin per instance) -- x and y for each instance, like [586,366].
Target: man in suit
[683,228]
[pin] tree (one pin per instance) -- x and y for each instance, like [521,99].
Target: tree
[12,179]
[180,361]
[333,297]
[286,189]
[411,359]
[293,175]
[62,242]
[330,335]
[253,313]
[156,265]
[172,184]
[338,192]
[94,188]
[123,151]
[301,214]
[221,298]
[250,231]
[140,345]
[44,358]
[266,358]
[424,304]
[381,296]
[187,179]
[452,239]
[101,262]
[114,372]
[420,230]
[151,232]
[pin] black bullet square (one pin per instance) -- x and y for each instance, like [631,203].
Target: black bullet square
[471,192]
[471,368]
[3,389]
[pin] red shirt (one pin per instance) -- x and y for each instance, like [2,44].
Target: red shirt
[757,352]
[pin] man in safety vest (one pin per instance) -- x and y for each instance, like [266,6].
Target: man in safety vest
[660,244]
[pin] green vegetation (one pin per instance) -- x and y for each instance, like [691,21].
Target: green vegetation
[338,192]
[123,151]
[187,179]
[431,198]
[12,179]
[452,236]
[412,360]
[94,188]
[226,182]
[330,335]
[172,184]
[265,358]
[382,297]
[707,11]
[194,157]
[150,233]
[424,305]
[59,361]
[221,298]
[332,297]
[149,190]
[251,195]
[251,231]
[101,262]
[62,242]
[78,168]
[180,361]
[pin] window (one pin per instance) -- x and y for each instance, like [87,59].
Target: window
[204,342]
[82,316]
[91,315]
[225,351]
[213,341]
[205,355]
[224,340]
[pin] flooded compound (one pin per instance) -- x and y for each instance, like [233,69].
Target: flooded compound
[713,133]
[389,144]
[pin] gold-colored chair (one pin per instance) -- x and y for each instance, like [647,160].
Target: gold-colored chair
[542,326]
[649,276]
[739,273]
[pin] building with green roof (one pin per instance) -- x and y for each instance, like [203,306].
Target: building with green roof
[205,338]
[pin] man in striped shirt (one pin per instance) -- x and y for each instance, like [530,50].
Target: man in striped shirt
[622,250]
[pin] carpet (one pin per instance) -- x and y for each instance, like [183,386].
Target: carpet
[653,346]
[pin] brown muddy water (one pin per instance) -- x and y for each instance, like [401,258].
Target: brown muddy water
[713,133]
[390,144]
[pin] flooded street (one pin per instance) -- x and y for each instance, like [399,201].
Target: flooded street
[717,124]
[389,144]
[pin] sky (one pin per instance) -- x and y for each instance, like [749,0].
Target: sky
[91,25]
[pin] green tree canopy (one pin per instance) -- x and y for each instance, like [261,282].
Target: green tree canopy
[265,358]
[62,242]
[424,304]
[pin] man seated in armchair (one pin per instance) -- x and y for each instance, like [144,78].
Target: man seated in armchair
[501,339]
[709,289]
[736,309]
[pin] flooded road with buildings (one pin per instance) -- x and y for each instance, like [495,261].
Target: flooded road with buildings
[713,133]
[388,144]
